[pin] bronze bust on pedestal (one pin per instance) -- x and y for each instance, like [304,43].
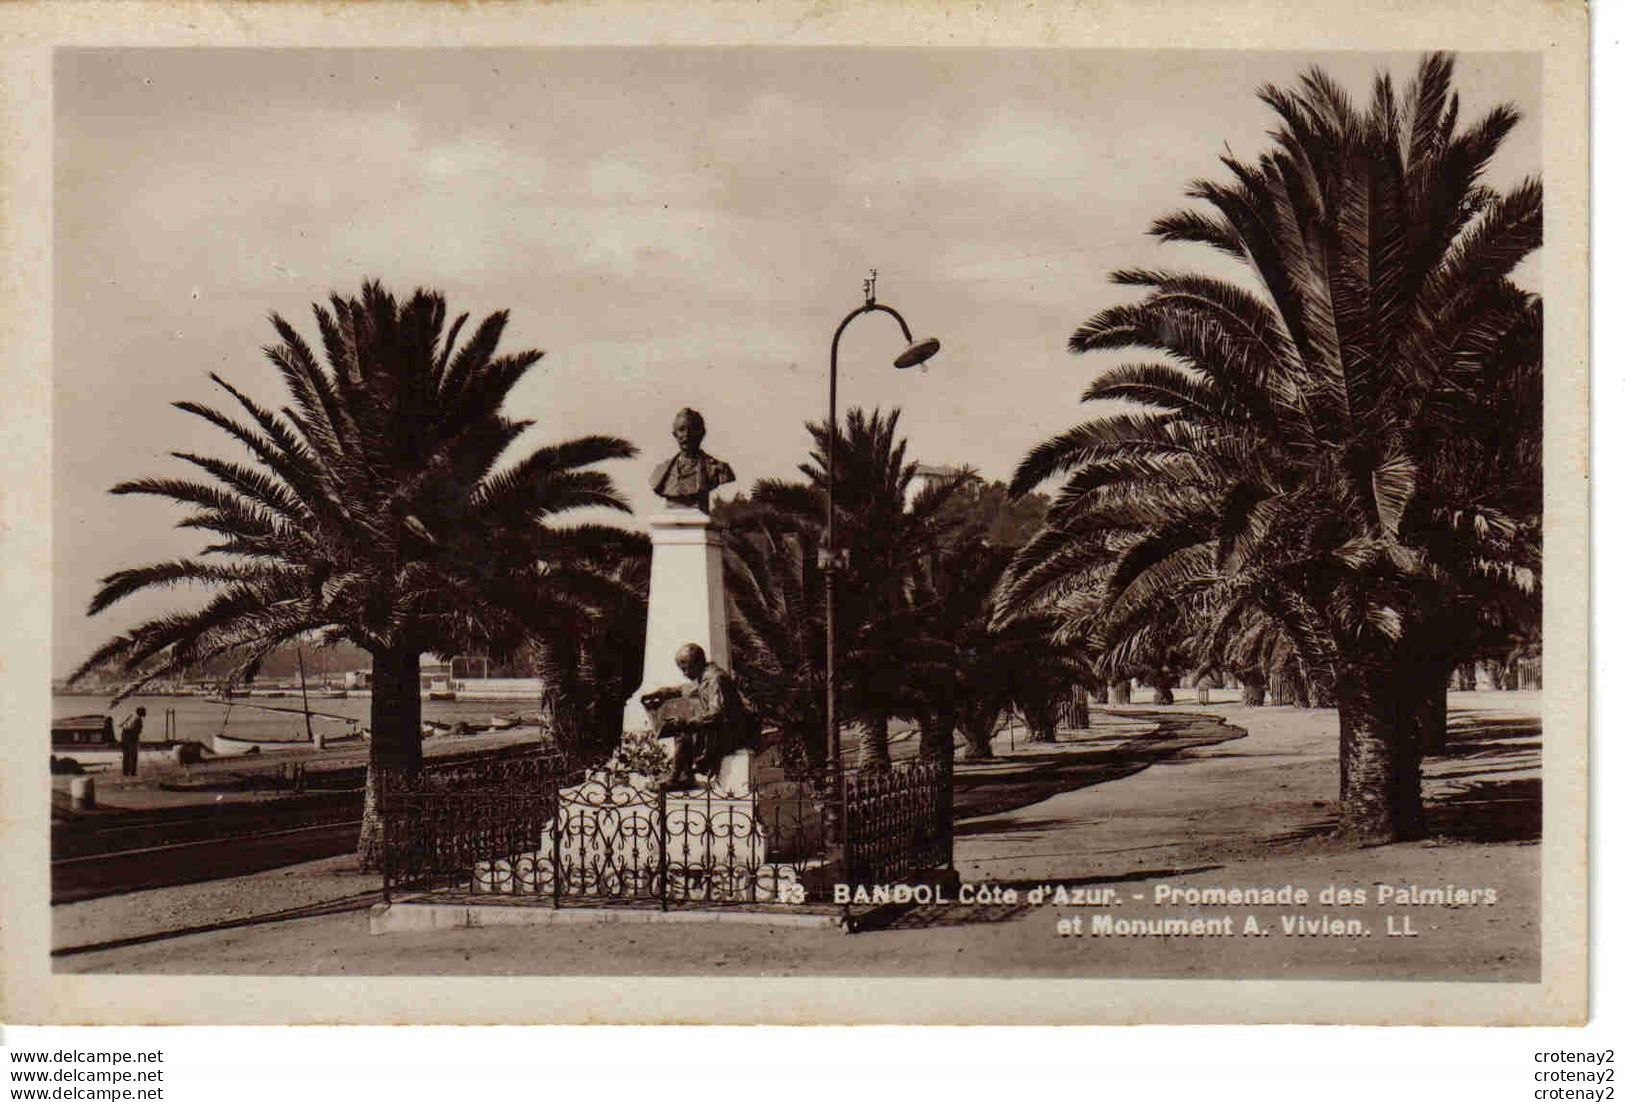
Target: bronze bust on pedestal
[688,477]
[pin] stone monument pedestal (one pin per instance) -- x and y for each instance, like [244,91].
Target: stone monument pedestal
[687,603]
[734,774]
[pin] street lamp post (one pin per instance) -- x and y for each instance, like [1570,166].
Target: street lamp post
[917,352]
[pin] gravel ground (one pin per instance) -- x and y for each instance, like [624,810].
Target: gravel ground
[309,886]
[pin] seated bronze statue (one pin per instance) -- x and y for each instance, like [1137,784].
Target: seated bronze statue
[716,722]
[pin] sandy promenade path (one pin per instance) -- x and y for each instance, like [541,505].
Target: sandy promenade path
[1208,805]
[1250,813]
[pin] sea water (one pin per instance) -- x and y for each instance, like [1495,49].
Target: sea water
[199,719]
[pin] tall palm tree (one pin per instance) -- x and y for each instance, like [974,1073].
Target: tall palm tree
[776,623]
[887,532]
[372,510]
[957,679]
[589,664]
[974,670]
[1295,454]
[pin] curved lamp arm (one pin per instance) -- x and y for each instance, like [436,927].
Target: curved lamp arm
[829,425]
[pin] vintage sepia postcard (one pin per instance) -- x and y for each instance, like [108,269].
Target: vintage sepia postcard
[706,513]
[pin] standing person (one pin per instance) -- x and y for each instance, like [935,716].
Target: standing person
[129,736]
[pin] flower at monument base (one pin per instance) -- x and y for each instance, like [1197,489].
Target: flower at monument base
[639,755]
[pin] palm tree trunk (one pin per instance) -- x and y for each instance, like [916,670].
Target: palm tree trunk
[558,666]
[397,738]
[1102,695]
[1122,692]
[1252,688]
[1424,703]
[1077,717]
[1428,657]
[1432,715]
[1040,721]
[874,749]
[1164,686]
[1381,762]
[979,734]
[937,737]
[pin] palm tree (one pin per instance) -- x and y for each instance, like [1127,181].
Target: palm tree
[589,664]
[955,676]
[776,623]
[887,532]
[1043,672]
[372,510]
[1477,518]
[1259,653]
[1296,456]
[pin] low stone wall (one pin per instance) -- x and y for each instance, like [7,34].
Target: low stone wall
[500,688]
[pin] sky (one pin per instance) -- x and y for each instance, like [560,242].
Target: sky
[670,226]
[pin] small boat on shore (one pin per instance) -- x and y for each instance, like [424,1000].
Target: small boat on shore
[236,746]
[90,740]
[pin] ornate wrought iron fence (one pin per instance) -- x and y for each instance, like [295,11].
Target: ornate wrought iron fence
[520,827]
[611,841]
[438,825]
[899,823]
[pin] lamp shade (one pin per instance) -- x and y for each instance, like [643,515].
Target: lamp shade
[918,353]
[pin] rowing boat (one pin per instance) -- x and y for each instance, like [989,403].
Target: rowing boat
[235,746]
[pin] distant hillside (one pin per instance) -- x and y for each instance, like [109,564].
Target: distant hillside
[284,663]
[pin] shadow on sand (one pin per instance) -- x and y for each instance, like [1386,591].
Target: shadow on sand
[1488,795]
[1489,811]
[1481,745]
[1037,776]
